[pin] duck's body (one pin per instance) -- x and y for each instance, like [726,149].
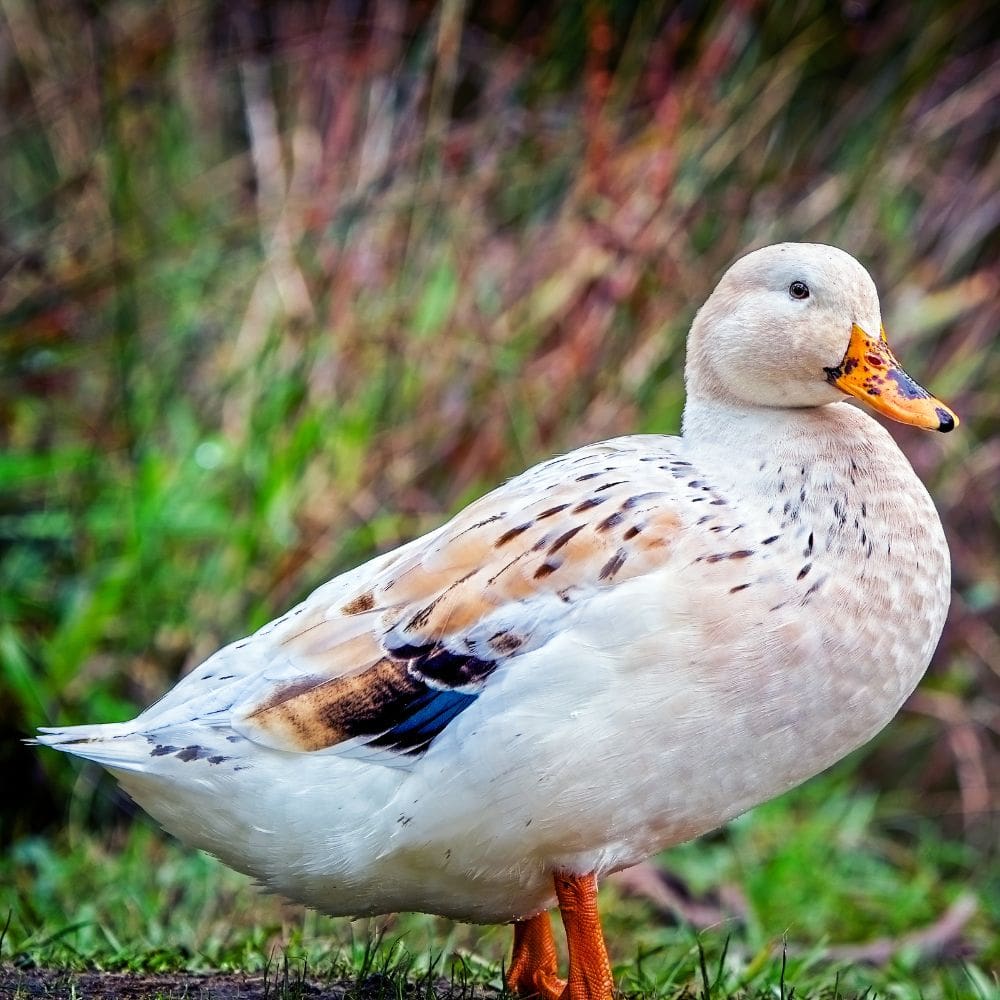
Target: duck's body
[618,650]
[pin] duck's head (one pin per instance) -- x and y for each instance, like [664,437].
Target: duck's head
[799,325]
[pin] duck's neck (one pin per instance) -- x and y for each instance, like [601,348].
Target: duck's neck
[830,450]
[831,471]
[741,436]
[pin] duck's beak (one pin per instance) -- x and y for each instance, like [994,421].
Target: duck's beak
[870,372]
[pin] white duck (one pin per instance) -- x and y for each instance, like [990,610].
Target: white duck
[618,650]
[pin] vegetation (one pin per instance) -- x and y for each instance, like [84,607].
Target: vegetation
[285,284]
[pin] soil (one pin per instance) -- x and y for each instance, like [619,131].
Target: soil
[57,984]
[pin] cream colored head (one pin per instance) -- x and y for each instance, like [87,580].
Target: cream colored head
[754,341]
[799,325]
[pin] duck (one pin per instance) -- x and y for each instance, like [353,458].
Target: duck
[614,652]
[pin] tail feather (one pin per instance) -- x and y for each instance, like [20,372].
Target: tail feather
[115,744]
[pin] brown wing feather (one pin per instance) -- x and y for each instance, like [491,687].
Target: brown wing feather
[315,713]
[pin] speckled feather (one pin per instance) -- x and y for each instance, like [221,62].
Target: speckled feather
[494,583]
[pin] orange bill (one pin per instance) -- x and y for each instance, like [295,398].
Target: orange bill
[870,372]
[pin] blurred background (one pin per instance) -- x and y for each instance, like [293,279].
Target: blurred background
[282,285]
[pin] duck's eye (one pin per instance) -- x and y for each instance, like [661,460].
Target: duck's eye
[798,290]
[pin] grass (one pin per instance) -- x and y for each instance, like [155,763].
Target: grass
[818,869]
[282,287]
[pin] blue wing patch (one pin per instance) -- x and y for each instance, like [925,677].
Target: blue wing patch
[426,717]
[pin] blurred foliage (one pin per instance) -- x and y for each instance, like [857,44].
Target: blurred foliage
[285,284]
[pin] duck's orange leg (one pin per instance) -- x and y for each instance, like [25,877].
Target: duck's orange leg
[533,968]
[589,968]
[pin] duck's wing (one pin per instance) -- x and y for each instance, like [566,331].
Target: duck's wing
[383,658]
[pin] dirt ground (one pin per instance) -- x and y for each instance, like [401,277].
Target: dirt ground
[56,984]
